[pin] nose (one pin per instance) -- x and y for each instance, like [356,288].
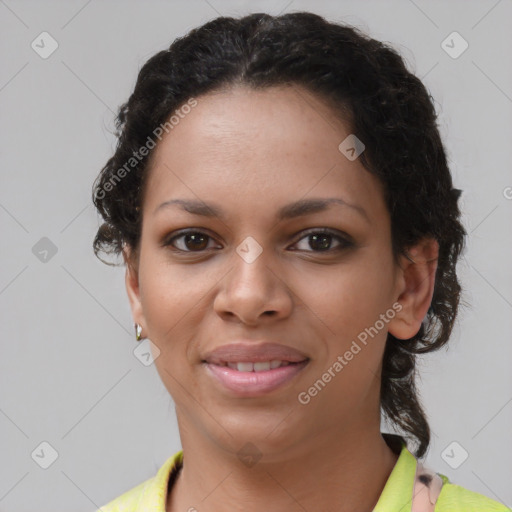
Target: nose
[252,291]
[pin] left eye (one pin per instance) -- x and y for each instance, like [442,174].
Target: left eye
[319,240]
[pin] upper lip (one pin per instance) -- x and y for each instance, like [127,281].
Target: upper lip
[244,352]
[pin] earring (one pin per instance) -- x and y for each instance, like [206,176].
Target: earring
[138,331]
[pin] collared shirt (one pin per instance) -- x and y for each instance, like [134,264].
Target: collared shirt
[397,495]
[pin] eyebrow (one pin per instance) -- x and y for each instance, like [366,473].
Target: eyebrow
[296,209]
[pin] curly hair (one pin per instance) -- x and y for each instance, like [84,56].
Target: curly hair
[368,86]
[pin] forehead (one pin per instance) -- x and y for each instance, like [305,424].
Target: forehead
[243,146]
[247,119]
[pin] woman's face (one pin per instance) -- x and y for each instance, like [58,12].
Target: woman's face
[316,282]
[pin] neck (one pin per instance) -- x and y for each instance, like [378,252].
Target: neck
[342,471]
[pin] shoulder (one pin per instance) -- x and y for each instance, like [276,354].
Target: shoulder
[128,501]
[430,487]
[150,494]
[454,498]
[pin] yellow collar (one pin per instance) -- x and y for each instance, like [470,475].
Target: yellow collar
[396,495]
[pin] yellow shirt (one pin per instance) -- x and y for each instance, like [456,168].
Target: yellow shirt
[397,495]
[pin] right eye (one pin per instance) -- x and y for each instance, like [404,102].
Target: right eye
[191,241]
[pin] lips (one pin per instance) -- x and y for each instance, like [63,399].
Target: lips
[249,352]
[253,384]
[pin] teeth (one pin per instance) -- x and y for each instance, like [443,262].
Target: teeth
[263,366]
[258,367]
[244,367]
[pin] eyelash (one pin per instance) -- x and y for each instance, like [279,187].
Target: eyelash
[345,242]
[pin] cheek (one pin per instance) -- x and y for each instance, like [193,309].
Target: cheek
[169,298]
[175,299]
[348,298]
[171,303]
[348,305]
[176,304]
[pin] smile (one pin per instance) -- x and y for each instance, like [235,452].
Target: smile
[248,379]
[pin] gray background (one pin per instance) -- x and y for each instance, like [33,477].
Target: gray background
[68,374]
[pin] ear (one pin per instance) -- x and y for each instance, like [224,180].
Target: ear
[416,278]
[132,288]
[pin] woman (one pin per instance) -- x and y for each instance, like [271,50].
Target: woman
[281,199]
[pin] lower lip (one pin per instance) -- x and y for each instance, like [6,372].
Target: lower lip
[254,383]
